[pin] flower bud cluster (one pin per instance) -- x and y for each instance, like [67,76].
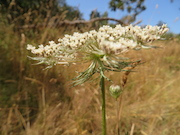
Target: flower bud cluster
[52,53]
[107,39]
[115,91]
[44,51]
[74,41]
[149,33]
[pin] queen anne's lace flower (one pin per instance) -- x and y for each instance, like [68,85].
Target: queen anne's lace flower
[107,41]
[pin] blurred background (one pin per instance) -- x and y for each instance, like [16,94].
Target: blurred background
[34,101]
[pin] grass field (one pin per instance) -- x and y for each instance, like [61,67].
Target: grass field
[34,101]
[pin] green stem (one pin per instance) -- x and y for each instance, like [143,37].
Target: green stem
[117,105]
[102,85]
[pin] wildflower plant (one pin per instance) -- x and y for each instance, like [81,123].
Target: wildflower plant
[103,48]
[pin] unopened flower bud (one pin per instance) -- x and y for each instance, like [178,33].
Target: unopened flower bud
[115,91]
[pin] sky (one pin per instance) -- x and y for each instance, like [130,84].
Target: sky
[156,10]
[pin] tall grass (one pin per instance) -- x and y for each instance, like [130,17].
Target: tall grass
[42,102]
[149,105]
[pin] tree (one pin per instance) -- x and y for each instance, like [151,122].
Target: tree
[97,15]
[94,14]
[28,12]
[160,23]
[131,6]
[135,6]
[105,14]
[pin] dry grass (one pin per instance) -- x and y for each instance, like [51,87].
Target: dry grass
[42,102]
[150,102]
[149,105]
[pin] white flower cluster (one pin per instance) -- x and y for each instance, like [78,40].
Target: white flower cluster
[44,50]
[107,40]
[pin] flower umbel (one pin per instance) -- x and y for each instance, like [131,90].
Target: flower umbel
[101,47]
